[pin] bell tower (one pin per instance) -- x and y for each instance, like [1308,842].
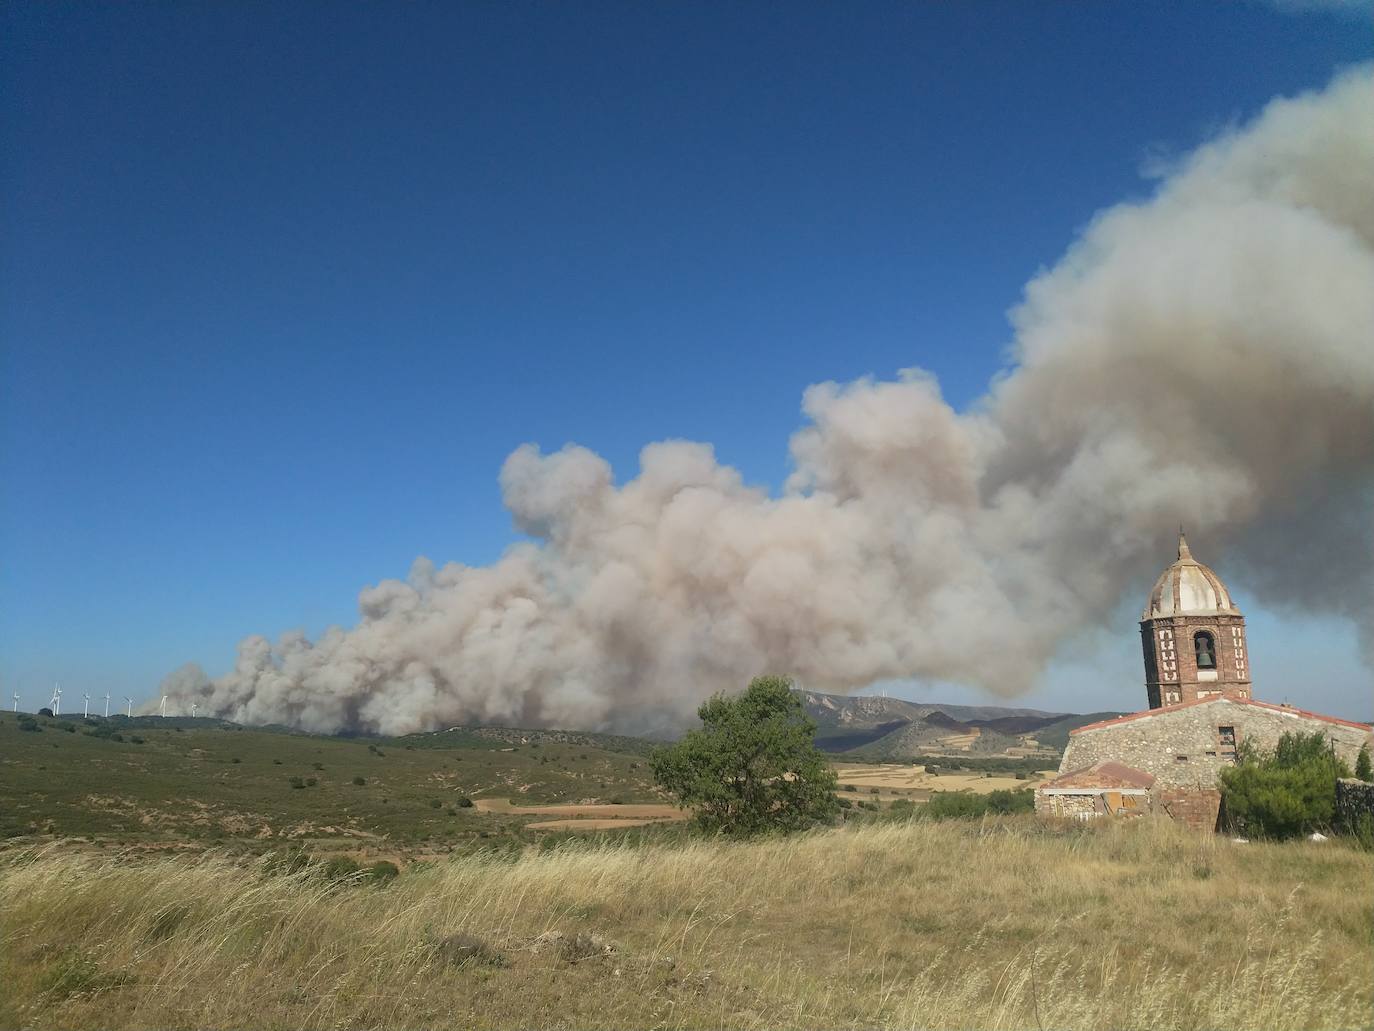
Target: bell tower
[1193,636]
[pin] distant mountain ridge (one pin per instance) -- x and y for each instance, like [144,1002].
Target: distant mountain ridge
[873,727]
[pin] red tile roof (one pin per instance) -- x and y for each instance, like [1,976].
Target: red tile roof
[1106,774]
[1221,698]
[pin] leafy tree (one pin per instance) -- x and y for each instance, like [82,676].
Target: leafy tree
[1286,793]
[753,766]
[1362,766]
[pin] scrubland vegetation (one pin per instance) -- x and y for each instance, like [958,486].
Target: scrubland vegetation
[1000,923]
[179,781]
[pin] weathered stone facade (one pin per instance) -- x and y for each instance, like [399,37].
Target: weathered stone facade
[1187,746]
[1103,789]
[1078,805]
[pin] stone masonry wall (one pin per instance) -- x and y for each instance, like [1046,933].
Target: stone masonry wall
[1086,804]
[1155,742]
[1354,798]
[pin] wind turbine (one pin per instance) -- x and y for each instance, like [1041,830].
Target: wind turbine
[56,703]
[162,709]
[107,704]
[193,710]
[86,712]
[16,701]
[129,711]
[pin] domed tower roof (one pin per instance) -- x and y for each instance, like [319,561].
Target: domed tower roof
[1188,588]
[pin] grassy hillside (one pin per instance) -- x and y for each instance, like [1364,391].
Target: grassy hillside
[178,780]
[1141,925]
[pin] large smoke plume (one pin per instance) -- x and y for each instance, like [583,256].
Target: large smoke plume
[1204,357]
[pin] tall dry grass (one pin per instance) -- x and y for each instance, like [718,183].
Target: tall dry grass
[997,925]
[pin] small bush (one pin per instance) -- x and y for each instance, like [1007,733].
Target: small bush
[317,766]
[463,950]
[296,782]
[276,762]
[136,739]
[310,782]
[360,781]
[339,868]
[383,872]
[287,862]
[464,802]
[236,759]
[1362,765]
[434,803]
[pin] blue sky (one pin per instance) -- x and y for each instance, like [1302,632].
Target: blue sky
[284,284]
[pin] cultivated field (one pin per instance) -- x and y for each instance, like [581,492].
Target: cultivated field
[903,780]
[999,924]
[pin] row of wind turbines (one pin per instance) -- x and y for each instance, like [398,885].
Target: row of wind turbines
[55,704]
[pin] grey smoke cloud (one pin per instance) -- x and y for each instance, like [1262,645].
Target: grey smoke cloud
[1204,357]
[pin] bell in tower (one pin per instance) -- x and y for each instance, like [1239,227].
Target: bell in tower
[1193,636]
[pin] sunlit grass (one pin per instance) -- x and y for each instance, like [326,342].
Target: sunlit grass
[1000,924]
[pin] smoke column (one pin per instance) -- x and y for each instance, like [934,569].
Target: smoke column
[1204,357]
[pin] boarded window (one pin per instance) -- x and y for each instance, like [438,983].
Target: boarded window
[1227,736]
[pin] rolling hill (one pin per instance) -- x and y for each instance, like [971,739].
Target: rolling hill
[884,729]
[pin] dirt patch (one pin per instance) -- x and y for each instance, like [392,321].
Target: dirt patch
[618,813]
[585,824]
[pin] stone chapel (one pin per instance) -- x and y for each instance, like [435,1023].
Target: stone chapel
[1200,707]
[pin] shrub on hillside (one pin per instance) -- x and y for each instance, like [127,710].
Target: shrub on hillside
[1362,765]
[383,872]
[339,868]
[1286,793]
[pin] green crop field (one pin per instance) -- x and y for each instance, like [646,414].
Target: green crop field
[160,783]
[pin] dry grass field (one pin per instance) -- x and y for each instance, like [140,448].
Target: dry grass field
[999,924]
